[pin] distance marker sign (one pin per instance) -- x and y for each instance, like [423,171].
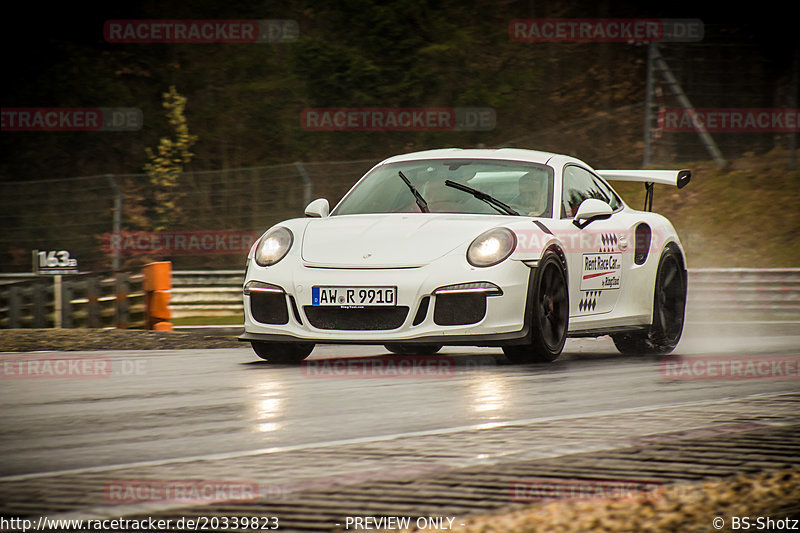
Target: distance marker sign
[54,262]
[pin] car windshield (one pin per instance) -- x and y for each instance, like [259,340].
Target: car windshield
[526,187]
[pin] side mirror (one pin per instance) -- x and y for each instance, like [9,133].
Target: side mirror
[319,208]
[591,209]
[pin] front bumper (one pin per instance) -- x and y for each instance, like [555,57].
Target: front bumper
[421,315]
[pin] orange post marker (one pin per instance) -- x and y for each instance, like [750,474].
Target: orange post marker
[158,276]
[159,305]
[157,284]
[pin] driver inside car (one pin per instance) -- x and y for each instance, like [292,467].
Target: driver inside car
[531,198]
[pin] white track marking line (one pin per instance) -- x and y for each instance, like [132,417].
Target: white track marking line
[381,438]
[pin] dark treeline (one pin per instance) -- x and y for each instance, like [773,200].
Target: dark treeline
[245,100]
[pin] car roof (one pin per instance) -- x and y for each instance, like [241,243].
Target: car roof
[509,154]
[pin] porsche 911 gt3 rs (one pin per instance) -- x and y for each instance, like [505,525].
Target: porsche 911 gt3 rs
[512,248]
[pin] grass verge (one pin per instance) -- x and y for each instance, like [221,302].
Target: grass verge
[686,508]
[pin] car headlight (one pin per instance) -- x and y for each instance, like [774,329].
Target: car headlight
[491,247]
[273,246]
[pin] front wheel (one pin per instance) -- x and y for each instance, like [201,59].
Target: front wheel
[549,308]
[669,307]
[282,353]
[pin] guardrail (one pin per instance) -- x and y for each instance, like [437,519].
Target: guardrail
[206,293]
[89,300]
[714,294]
[767,291]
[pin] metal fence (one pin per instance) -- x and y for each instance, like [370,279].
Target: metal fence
[109,222]
[729,84]
[112,222]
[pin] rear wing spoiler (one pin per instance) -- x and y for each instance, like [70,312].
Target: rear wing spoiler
[676,178]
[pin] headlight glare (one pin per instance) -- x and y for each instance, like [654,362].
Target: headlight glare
[273,246]
[491,247]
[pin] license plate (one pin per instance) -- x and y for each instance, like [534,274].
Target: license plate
[354,296]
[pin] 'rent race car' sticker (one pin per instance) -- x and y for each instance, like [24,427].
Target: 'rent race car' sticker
[601,271]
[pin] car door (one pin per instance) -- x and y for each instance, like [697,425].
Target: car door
[595,260]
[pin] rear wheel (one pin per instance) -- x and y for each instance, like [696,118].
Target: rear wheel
[669,306]
[282,353]
[413,349]
[549,315]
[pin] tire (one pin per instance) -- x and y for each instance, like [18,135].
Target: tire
[413,349]
[669,309]
[282,353]
[549,307]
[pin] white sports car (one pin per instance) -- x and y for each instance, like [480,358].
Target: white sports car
[512,248]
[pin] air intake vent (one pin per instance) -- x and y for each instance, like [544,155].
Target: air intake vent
[360,319]
[269,307]
[459,309]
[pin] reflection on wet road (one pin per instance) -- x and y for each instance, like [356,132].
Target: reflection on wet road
[168,404]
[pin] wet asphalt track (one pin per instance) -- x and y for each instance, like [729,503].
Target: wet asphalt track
[162,405]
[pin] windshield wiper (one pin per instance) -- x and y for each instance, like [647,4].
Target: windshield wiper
[489,199]
[423,205]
